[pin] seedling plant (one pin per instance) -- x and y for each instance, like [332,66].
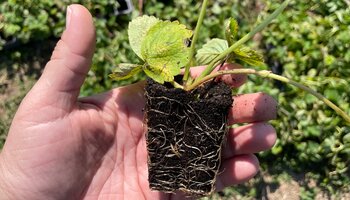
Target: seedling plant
[185,116]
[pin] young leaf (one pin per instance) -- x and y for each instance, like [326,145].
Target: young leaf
[249,56]
[210,50]
[165,50]
[124,71]
[231,31]
[158,74]
[137,31]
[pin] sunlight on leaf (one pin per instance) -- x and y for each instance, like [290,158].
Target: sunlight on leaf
[137,31]
[165,50]
[210,51]
[158,74]
[249,56]
[124,71]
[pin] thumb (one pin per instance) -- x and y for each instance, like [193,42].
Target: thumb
[64,74]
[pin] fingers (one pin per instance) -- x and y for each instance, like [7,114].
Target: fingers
[246,108]
[65,72]
[239,164]
[249,139]
[237,170]
[233,80]
[255,107]
[256,137]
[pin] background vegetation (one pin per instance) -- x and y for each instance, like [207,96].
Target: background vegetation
[308,43]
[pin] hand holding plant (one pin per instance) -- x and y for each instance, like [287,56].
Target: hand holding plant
[186,122]
[62,147]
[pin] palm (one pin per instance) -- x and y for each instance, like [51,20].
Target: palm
[122,173]
[101,151]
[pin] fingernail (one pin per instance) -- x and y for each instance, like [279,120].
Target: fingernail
[68,16]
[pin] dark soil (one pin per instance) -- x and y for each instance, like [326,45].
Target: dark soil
[185,133]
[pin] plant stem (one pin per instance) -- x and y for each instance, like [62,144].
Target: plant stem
[177,85]
[194,40]
[244,39]
[269,74]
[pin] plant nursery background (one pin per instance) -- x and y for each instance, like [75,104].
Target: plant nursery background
[309,43]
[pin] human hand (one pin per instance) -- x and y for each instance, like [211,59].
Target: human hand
[62,147]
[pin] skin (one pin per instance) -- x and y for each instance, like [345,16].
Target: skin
[63,147]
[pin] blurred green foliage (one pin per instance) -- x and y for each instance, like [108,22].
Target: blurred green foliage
[309,41]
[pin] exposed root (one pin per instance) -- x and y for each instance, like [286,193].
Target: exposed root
[185,134]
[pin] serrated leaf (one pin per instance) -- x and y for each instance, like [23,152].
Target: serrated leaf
[137,31]
[231,31]
[165,50]
[125,71]
[249,56]
[210,51]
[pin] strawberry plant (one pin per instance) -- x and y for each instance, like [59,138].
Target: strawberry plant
[186,116]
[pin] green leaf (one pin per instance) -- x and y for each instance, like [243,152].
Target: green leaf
[329,60]
[159,75]
[249,56]
[165,50]
[125,71]
[346,138]
[137,31]
[231,31]
[210,51]
[332,94]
